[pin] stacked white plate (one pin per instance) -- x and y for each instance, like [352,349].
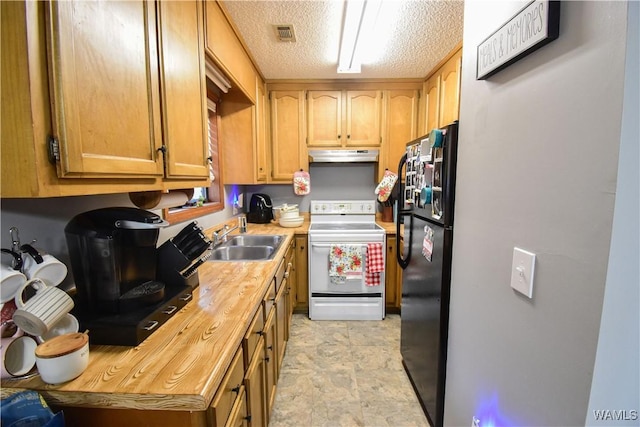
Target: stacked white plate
[289,216]
[291,222]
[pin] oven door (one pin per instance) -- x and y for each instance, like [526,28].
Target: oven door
[321,283]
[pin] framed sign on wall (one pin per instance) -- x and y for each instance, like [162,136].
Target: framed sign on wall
[537,24]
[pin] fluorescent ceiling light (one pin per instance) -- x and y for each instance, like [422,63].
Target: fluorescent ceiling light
[359,22]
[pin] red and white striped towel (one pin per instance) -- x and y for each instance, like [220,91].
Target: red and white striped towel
[375,264]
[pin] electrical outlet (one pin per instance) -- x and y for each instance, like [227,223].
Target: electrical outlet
[475,422]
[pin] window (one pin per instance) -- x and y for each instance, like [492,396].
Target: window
[211,199]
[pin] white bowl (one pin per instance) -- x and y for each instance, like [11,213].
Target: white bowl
[291,222]
[293,214]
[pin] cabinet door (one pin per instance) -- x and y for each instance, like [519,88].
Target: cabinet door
[104,88]
[432,103]
[324,111]
[254,381]
[288,151]
[261,132]
[400,126]
[302,271]
[363,118]
[238,417]
[231,390]
[281,319]
[224,47]
[184,112]
[392,288]
[450,89]
[271,360]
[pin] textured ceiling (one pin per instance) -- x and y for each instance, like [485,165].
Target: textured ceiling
[421,33]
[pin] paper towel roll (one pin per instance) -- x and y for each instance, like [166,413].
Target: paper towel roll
[160,200]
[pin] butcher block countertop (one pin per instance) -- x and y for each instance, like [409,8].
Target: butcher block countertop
[181,365]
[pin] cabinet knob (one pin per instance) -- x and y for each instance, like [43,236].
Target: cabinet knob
[236,389]
[339,136]
[210,159]
[348,136]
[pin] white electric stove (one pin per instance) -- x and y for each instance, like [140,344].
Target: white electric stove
[349,224]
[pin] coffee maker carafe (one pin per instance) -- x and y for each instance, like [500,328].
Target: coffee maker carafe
[113,259]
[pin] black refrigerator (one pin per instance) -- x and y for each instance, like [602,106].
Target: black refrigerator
[425,207]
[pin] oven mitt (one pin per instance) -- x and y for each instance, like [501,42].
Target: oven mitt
[383,190]
[301,183]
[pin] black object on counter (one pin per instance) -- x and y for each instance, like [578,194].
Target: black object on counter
[260,209]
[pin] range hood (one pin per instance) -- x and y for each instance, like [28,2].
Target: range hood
[343,156]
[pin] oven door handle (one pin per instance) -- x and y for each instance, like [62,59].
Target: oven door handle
[328,245]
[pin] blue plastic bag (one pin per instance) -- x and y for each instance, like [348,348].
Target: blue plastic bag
[28,409]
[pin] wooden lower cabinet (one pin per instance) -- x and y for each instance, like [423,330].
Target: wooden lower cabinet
[254,381]
[271,359]
[229,394]
[302,274]
[281,319]
[238,416]
[393,277]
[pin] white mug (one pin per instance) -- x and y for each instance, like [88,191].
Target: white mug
[38,314]
[18,353]
[11,281]
[49,269]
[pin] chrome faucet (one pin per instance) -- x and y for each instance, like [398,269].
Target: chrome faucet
[221,238]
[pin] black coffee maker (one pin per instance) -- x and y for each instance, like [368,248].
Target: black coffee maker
[113,258]
[260,209]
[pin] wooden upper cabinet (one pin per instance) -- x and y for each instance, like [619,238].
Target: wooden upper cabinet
[363,118]
[432,103]
[324,112]
[183,88]
[400,125]
[224,47]
[344,118]
[288,153]
[450,89]
[442,94]
[262,149]
[104,88]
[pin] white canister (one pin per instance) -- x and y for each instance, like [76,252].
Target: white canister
[63,358]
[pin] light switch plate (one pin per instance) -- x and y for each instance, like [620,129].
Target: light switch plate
[522,271]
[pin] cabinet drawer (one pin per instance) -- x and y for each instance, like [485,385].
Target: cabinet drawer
[251,338]
[229,393]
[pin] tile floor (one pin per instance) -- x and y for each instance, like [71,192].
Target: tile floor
[345,373]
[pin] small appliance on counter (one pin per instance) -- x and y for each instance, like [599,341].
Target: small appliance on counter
[260,209]
[121,298]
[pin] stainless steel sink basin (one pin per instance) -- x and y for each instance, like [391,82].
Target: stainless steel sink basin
[249,247]
[254,240]
[242,253]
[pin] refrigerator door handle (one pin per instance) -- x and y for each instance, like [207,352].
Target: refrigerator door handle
[403,262]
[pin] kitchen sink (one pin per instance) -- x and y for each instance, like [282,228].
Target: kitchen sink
[251,247]
[254,240]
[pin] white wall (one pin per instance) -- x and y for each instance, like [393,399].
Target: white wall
[329,181]
[616,378]
[538,157]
